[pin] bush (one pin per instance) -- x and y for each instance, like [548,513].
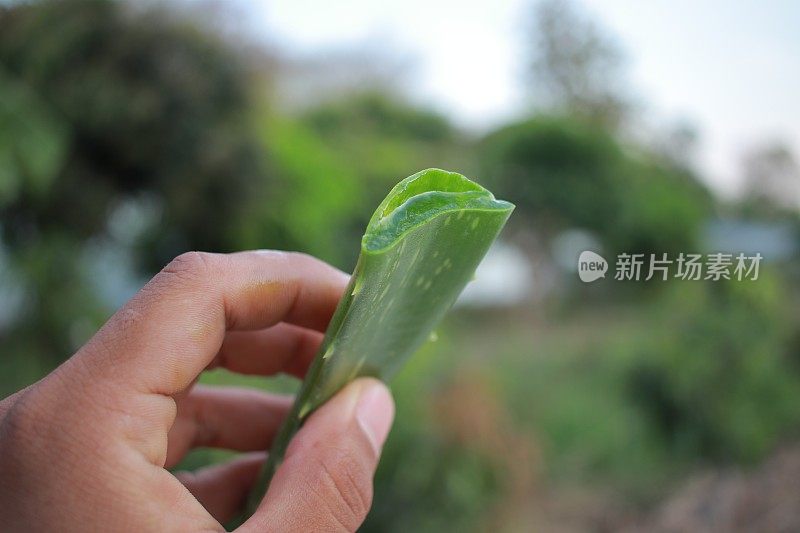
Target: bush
[564,173]
[716,379]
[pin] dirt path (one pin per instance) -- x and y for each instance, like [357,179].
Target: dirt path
[766,499]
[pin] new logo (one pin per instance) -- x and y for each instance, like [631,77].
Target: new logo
[591,266]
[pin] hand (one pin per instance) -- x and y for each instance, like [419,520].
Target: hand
[87,447]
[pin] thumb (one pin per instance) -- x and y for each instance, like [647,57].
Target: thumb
[325,481]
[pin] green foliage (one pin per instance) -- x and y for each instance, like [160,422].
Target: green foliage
[564,172]
[716,378]
[382,137]
[662,209]
[313,200]
[147,103]
[559,170]
[104,107]
[373,113]
[333,158]
[32,143]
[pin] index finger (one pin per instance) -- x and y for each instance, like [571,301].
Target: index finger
[173,328]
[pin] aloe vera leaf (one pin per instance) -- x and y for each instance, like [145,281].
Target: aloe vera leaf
[419,251]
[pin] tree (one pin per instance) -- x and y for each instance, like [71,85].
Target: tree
[559,171]
[576,66]
[122,130]
[771,176]
[563,172]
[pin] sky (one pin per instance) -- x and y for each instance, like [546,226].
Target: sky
[731,69]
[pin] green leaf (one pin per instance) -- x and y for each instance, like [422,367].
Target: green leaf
[420,250]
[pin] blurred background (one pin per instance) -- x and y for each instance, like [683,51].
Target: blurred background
[133,131]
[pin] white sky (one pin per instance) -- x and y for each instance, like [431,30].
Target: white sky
[730,68]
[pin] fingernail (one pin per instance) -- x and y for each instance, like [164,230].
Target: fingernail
[375,412]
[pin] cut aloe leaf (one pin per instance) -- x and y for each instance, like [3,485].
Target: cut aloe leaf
[420,249]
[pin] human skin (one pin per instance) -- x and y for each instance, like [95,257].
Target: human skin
[88,447]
